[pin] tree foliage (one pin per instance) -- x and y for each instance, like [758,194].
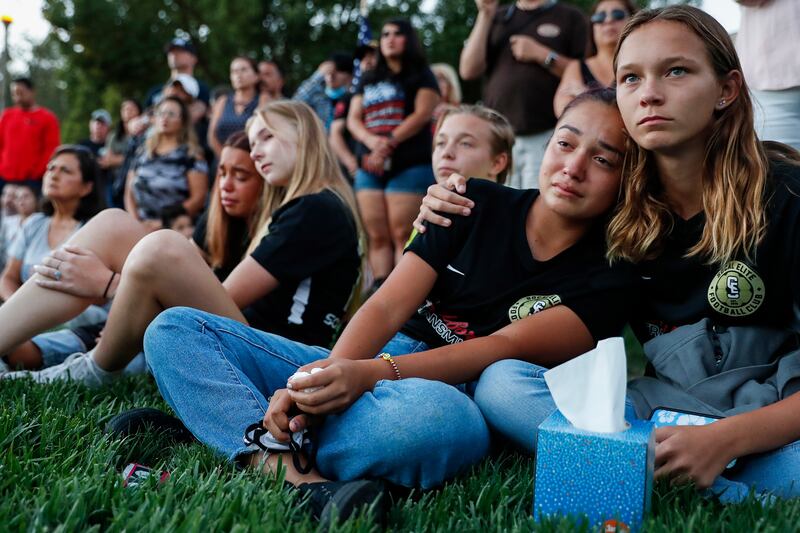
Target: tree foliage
[104,50]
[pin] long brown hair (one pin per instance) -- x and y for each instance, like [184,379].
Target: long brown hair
[734,175]
[186,136]
[219,222]
[316,169]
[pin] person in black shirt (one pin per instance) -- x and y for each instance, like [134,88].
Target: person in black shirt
[299,277]
[390,116]
[710,215]
[557,282]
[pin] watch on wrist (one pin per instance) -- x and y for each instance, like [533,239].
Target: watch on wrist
[550,60]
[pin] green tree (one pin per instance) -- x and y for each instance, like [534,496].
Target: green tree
[104,50]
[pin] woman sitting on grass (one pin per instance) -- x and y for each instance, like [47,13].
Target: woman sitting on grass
[232,219]
[446,295]
[301,274]
[711,217]
[71,198]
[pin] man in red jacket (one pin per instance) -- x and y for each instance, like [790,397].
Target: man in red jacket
[28,136]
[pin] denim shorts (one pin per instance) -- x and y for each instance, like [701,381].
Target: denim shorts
[414,180]
[58,345]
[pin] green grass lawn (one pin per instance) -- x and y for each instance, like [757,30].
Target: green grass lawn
[58,472]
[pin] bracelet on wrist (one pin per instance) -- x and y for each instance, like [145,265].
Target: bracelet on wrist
[389,359]
[110,281]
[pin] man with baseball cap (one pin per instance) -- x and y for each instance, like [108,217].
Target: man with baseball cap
[99,127]
[182,59]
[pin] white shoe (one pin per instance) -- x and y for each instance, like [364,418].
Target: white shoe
[77,367]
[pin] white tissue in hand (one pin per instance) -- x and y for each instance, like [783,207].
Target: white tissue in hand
[590,390]
[302,374]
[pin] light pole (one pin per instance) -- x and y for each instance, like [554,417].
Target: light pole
[4,61]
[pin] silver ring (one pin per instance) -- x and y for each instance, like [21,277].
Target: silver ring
[58,275]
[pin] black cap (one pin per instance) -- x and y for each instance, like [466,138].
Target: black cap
[183,44]
[343,61]
[365,48]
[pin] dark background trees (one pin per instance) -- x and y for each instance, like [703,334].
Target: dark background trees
[103,50]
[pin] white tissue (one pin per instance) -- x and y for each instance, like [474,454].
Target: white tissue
[301,374]
[590,390]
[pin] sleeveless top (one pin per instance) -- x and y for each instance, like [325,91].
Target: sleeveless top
[229,121]
[588,78]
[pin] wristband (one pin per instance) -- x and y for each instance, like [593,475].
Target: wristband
[105,292]
[551,58]
[389,359]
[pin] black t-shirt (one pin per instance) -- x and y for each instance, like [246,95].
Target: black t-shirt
[488,277]
[762,291]
[340,111]
[524,91]
[238,241]
[93,146]
[312,249]
[386,103]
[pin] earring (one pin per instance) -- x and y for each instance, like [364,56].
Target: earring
[721,104]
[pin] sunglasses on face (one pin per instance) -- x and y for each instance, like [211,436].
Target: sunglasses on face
[613,15]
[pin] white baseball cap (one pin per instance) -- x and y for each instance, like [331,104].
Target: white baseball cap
[188,83]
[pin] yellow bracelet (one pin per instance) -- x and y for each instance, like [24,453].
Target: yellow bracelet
[389,359]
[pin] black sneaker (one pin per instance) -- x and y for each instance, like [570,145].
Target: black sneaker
[143,419]
[342,499]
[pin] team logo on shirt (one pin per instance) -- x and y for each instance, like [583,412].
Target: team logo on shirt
[736,290]
[530,305]
[548,30]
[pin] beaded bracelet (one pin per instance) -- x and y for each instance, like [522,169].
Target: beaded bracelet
[389,359]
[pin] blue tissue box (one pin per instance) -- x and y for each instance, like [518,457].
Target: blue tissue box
[606,476]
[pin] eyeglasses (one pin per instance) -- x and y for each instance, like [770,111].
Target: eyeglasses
[168,114]
[613,15]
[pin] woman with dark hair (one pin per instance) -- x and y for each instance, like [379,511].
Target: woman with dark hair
[222,236]
[117,143]
[608,18]
[71,197]
[125,140]
[224,232]
[231,111]
[390,115]
[171,169]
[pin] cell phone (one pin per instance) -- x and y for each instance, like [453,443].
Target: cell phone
[664,416]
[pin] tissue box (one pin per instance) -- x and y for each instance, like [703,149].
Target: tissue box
[606,476]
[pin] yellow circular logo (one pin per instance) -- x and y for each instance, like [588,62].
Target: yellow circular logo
[530,305]
[736,290]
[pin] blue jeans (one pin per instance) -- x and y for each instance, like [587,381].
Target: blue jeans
[218,374]
[514,400]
